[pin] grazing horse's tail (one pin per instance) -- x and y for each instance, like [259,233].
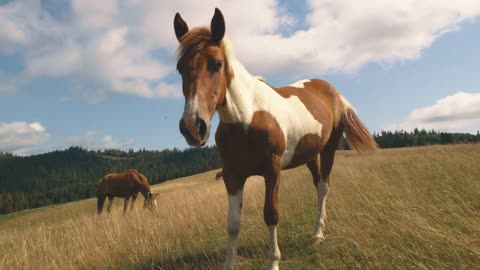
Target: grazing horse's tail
[358,136]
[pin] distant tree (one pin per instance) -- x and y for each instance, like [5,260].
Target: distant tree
[19,201]
[1,203]
[7,203]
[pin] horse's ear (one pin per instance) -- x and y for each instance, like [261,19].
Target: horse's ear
[218,26]
[181,27]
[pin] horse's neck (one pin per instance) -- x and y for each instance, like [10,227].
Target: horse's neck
[242,96]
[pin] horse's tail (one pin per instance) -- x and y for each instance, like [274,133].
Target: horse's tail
[358,136]
[99,187]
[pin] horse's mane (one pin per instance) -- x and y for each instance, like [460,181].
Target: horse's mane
[196,40]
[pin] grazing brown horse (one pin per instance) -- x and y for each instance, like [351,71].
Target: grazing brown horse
[262,129]
[125,185]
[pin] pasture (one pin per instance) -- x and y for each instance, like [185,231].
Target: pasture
[415,208]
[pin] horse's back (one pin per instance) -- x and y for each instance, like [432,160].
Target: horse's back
[119,185]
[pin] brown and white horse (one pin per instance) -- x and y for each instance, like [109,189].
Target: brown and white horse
[125,185]
[262,129]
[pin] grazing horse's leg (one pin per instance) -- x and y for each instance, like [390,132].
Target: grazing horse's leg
[270,210]
[125,204]
[134,197]
[234,186]
[100,202]
[110,200]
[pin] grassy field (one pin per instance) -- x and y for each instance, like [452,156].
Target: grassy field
[410,208]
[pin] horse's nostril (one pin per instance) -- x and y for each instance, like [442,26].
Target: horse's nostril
[202,127]
[182,127]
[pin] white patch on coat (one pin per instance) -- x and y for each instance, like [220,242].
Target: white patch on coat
[247,95]
[299,84]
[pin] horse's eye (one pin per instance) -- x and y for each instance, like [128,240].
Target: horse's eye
[218,65]
[215,65]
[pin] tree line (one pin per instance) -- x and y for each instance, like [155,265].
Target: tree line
[73,174]
[401,138]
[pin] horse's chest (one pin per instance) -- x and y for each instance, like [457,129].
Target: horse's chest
[250,149]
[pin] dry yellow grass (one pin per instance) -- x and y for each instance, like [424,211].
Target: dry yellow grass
[416,208]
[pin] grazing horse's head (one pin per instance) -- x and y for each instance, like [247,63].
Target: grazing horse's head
[150,201]
[205,72]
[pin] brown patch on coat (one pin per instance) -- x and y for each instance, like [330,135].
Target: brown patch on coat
[306,149]
[248,152]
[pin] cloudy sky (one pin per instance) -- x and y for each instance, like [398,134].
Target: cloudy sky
[101,74]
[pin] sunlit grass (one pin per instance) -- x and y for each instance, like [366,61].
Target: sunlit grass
[416,208]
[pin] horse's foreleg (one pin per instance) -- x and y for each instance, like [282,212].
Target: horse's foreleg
[234,187]
[270,210]
[125,204]
[100,202]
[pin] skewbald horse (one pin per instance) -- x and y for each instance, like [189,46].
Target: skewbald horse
[262,129]
[125,185]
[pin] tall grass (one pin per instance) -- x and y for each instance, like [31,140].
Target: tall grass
[415,208]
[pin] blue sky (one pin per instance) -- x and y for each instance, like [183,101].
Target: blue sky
[102,73]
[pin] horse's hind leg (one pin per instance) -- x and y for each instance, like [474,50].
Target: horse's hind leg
[100,202]
[320,167]
[110,200]
[125,204]
[322,191]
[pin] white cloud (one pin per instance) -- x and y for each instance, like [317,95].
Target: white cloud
[21,137]
[94,14]
[458,112]
[345,35]
[11,35]
[112,43]
[94,140]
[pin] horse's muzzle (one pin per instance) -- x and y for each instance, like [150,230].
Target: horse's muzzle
[197,134]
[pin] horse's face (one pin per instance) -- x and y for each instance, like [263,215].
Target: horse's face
[151,201]
[202,65]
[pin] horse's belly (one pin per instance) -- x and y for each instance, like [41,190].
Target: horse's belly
[307,148]
[303,143]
